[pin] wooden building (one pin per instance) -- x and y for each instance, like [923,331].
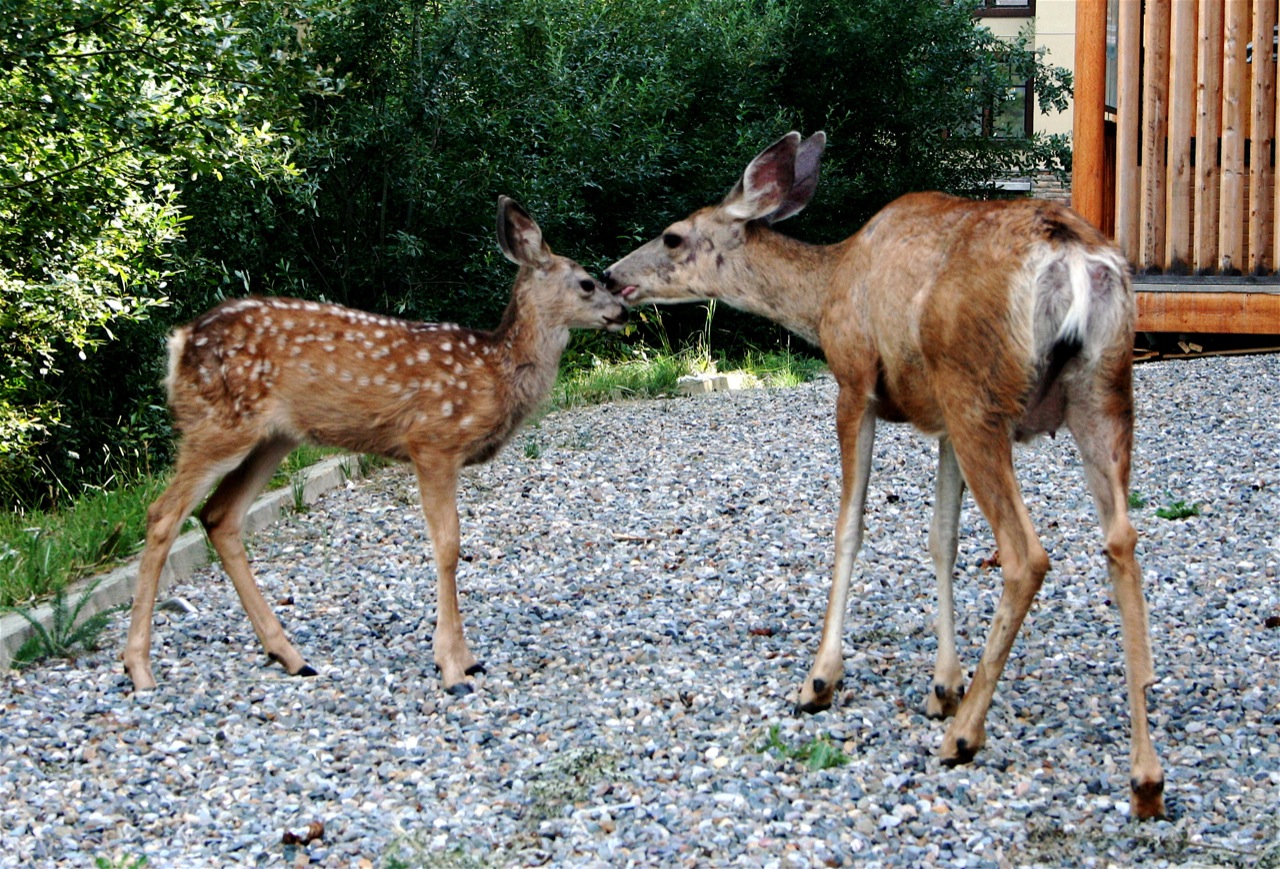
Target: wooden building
[1179,164]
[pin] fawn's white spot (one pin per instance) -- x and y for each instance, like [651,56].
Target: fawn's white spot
[446,347]
[447,408]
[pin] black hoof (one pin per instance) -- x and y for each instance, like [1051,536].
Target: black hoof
[813,707]
[1148,800]
[307,671]
[963,754]
[462,689]
[476,669]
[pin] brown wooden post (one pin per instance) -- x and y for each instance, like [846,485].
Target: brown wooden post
[1128,110]
[1261,135]
[1088,140]
[1155,124]
[1182,105]
[1235,117]
[1208,132]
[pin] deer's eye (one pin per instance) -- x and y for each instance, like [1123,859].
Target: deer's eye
[671,240]
[588,286]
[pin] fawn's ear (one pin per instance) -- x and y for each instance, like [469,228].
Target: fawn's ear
[808,156]
[519,235]
[763,188]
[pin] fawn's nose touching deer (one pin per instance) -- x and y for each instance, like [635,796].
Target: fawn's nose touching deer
[981,323]
[254,377]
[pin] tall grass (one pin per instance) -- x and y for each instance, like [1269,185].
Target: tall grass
[41,552]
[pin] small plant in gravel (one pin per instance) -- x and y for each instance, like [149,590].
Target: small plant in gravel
[817,754]
[1178,509]
[122,862]
[532,449]
[63,638]
[568,779]
[298,484]
[1137,501]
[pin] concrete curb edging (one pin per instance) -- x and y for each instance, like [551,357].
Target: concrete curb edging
[190,552]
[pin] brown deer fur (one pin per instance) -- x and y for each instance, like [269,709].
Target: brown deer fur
[254,377]
[981,323]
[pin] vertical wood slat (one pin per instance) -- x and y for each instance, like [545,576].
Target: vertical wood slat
[1155,105]
[1208,129]
[1261,133]
[1089,105]
[1128,97]
[1235,34]
[1275,205]
[1182,92]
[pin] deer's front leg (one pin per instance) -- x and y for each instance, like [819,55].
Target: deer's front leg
[438,486]
[856,426]
[948,679]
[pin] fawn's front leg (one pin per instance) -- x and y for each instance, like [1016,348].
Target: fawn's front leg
[438,486]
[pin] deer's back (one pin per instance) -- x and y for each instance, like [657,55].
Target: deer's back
[936,292]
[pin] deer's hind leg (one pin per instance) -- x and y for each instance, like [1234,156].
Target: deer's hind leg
[985,453]
[201,460]
[223,519]
[948,678]
[1102,424]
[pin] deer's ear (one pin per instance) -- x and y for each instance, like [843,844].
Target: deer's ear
[808,156]
[766,183]
[519,235]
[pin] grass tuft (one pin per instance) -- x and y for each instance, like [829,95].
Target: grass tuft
[816,754]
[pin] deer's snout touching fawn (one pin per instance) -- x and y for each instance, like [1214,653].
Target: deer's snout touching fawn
[981,323]
[254,377]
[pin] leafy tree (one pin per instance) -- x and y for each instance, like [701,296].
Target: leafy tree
[106,109]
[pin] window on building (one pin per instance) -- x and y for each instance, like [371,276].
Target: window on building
[1007,8]
[1012,119]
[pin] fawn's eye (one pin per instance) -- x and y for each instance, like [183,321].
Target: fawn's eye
[587,286]
[671,240]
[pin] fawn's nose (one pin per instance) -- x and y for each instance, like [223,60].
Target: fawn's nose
[609,283]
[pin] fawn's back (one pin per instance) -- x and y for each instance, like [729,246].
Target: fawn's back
[327,374]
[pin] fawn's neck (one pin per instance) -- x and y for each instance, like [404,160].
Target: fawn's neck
[531,351]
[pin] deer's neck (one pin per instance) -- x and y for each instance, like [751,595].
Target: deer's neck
[782,279]
[532,351]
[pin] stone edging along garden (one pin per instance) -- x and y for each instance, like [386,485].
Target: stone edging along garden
[190,552]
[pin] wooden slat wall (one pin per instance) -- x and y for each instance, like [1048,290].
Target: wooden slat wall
[1195,130]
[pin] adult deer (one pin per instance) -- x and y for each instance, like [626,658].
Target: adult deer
[981,323]
[253,377]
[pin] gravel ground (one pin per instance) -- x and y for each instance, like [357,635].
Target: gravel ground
[645,583]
